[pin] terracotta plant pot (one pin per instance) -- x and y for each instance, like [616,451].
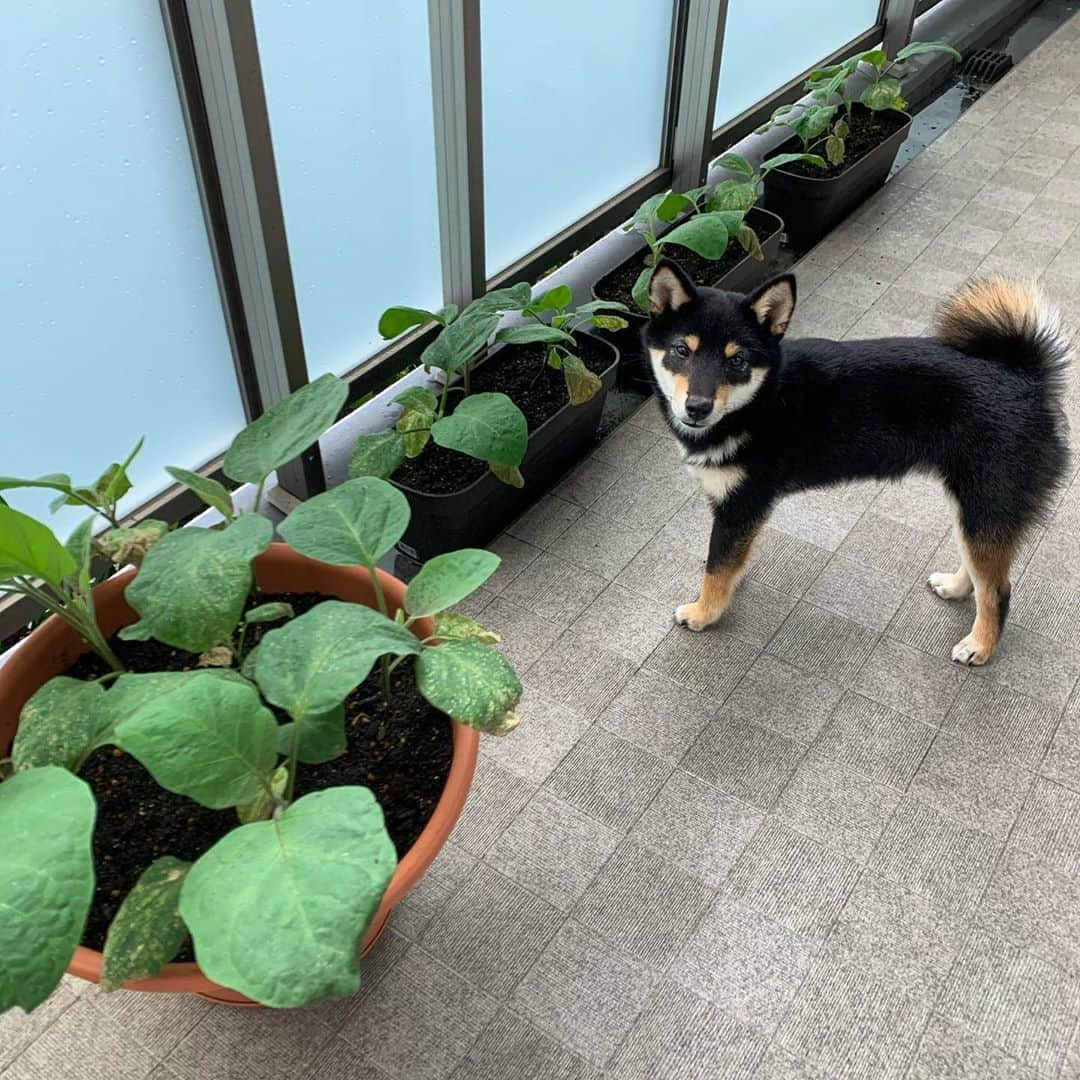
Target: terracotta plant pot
[54,646]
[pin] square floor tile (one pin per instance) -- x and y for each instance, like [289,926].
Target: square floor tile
[785,698]
[744,963]
[1034,665]
[584,992]
[643,903]
[588,482]
[832,804]
[512,1047]
[580,674]
[711,663]
[545,521]
[823,643]
[553,850]
[934,856]
[890,546]
[494,800]
[697,827]
[1049,826]
[912,682]
[625,623]
[876,741]
[609,779]
[786,563]
[794,880]
[743,759]
[971,785]
[1021,1004]
[525,635]
[948,1051]
[424,901]
[601,544]
[554,589]
[931,624]
[657,714]
[665,571]
[861,593]
[816,516]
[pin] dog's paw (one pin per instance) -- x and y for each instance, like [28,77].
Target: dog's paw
[948,587]
[693,617]
[970,653]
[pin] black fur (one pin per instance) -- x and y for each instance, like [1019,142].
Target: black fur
[990,426]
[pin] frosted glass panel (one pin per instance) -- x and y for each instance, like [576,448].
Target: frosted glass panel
[348,87]
[112,324]
[769,42]
[573,111]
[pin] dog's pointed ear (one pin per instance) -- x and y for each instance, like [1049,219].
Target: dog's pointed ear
[669,288]
[774,303]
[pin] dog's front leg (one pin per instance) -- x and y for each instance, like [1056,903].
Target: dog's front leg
[736,524]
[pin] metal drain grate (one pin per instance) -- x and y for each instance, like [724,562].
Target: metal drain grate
[984,67]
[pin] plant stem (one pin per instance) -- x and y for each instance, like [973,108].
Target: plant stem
[259,494]
[380,599]
[72,612]
[294,750]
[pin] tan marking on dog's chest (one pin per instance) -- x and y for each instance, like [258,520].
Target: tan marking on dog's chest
[718,482]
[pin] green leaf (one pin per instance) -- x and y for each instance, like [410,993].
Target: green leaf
[706,234]
[781,160]
[210,739]
[811,122]
[734,195]
[881,95]
[46,880]
[834,149]
[312,663]
[277,909]
[447,314]
[472,683]
[419,398]
[527,335]
[447,579]
[875,57]
[377,455]
[581,384]
[450,626]
[30,549]
[51,482]
[193,583]
[147,932]
[748,239]
[555,299]
[461,341]
[321,737]
[80,546]
[646,213]
[485,426]
[673,205]
[600,305]
[640,291]
[59,723]
[915,48]
[354,524]
[514,298]
[396,320]
[508,474]
[415,429]
[208,489]
[265,613]
[285,430]
[735,163]
[841,128]
[262,806]
[609,322]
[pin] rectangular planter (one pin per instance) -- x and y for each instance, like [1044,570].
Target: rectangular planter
[476,514]
[811,206]
[742,277]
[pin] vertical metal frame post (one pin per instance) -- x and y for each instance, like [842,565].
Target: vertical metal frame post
[217,60]
[702,47]
[899,18]
[457,91]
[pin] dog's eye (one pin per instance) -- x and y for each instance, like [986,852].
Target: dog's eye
[680,348]
[739,363]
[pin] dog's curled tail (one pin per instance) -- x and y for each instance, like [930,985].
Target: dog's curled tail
[1012,322]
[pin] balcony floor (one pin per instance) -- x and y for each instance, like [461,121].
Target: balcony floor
[801,845]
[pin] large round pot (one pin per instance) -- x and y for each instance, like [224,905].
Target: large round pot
[54,646]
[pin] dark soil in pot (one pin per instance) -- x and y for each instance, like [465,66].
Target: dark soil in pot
[519,371]
[618,284]
[402,751]
[868,130]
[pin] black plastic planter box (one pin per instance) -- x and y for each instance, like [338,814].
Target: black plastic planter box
[742,277]
[811,206]
[476,514]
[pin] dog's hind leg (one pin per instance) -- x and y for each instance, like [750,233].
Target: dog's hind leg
[956,586]
[987,562]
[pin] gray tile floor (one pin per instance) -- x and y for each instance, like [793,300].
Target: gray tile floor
[802,845]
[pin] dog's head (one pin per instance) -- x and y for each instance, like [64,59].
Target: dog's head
[712,350]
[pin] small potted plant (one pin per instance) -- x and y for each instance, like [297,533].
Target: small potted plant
[860,140]
[723,242]
[229,762]
[499,425]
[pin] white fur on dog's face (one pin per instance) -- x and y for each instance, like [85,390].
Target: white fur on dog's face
[729,396]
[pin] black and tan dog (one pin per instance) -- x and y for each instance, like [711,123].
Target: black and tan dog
[978,406]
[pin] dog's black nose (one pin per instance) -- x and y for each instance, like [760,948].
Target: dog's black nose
[697,408]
